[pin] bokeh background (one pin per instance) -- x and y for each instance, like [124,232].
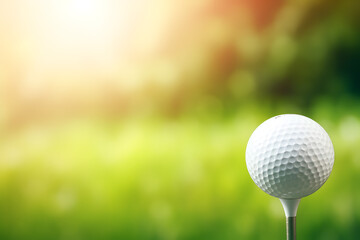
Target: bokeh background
[129,119]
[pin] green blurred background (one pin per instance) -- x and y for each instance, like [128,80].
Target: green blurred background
[129,119]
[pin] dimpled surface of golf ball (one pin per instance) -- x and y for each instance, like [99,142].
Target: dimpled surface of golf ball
[289,156]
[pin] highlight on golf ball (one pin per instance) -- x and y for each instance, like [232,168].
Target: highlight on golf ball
[289,156]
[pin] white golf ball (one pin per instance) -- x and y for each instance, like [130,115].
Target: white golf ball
[289,156]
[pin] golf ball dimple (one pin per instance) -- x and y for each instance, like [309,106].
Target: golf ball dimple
[289,156]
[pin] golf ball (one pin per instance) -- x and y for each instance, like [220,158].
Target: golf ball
[289,156]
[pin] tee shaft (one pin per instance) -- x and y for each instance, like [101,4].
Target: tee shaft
[291,228]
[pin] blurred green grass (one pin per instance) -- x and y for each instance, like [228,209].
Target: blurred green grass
[158,178]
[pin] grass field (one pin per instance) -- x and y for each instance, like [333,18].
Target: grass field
[157,178]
